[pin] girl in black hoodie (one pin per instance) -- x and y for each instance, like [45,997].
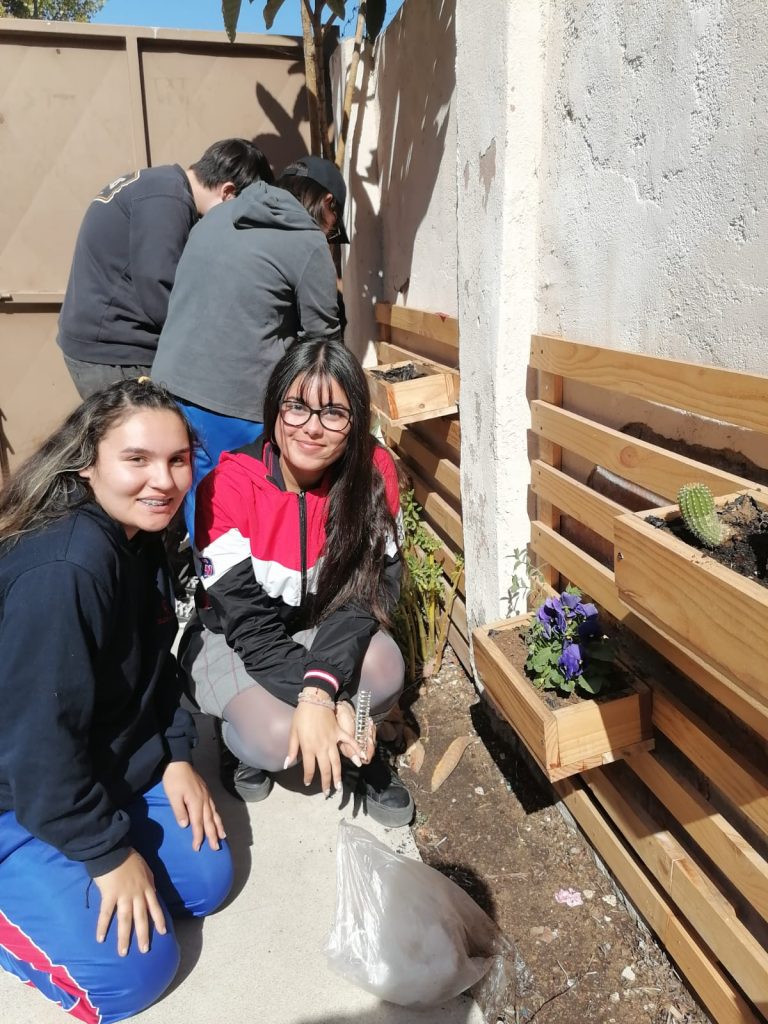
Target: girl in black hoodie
[105,827]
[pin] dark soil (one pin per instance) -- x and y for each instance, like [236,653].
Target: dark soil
[745,551]
[399,374]
[493,828]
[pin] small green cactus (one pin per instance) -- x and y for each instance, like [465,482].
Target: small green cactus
[697,506]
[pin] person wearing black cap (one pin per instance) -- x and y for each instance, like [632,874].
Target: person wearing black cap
[256,276]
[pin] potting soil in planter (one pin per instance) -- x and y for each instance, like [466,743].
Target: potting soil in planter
[746,551]
[398,374]
[511,642]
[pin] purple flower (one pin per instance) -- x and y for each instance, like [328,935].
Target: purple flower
[570,661]
[571,601]
[551,615]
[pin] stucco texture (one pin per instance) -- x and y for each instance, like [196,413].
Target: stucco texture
[653,218]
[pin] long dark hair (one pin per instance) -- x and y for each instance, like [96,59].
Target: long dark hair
[48,486]
[359,524]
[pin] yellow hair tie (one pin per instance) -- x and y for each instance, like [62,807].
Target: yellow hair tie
[144,380]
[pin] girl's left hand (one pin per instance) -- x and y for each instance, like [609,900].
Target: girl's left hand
[192,804]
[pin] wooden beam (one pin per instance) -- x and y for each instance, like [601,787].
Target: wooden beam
[714,988]
[741,782]
[654,468]
[438,326]
[686,884]
[429,465]
[739,862]
[575,499]
[724,395]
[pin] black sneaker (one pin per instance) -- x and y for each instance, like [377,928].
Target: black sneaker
[251,784]
[239,779]
[383,795]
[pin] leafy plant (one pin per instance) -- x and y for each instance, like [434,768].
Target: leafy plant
[567,650]
[527,583]
[423,613]
[697,507]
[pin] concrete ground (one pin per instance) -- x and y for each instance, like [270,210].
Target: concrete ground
[261,957]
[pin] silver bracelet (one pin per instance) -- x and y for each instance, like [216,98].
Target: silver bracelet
[301,699]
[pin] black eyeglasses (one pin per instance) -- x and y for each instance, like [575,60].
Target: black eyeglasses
[333,417]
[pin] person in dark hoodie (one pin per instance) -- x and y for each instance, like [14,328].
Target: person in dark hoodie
[105,828]
[255,277]
[126,254]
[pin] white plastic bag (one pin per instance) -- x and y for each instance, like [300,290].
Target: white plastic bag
[408,934]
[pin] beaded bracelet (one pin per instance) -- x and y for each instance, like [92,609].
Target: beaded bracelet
[313,700]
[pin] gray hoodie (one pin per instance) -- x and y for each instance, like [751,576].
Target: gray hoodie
[255,276]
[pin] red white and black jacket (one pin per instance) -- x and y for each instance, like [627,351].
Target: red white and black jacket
[258,552]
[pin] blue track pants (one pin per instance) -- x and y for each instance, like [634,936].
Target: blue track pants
[49,907]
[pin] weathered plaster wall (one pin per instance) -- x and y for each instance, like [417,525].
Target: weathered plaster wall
[653,217]
[499,74]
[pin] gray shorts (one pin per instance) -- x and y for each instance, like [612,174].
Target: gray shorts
[215,673]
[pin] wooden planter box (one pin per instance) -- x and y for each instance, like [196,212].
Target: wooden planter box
[572,738]
[707,609]
[407,401]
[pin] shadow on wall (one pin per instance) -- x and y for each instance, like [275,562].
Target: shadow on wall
[396,151]
[286,142]
[416,67]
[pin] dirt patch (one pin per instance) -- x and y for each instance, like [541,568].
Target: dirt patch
[745,550]
[493,828]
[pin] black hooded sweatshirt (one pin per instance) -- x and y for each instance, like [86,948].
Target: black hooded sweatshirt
[89,694]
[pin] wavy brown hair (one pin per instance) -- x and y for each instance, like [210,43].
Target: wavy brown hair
[48,485]
[359,524]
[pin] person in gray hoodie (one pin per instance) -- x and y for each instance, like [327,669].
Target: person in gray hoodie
[255,276]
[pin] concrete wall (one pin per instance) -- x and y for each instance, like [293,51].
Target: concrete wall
[653,218]
[585,167]
[401,168]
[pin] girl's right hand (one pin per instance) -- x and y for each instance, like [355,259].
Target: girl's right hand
[129,890]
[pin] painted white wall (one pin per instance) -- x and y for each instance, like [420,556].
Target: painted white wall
[499,74]
[586,167]
[653,218]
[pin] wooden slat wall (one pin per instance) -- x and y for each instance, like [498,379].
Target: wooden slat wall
[429,450]
[685,828]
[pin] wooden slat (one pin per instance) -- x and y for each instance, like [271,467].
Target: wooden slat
[739,862]
[429,465]
[575,499]
[421,346]
[597,581]
[723,1001]
[728,395]
[741,782]
[550,390]
[459,616]
[653,468]
[460,647]
[685,883]
[386,352]
[438,326]
[445,519]
[443,435]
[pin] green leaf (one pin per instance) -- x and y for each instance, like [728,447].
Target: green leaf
[271,7]
[230,10]
[591,685]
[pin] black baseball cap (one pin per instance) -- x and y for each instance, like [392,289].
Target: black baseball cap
[328,176]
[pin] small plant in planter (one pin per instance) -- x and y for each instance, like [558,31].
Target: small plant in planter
[539,668]
[696,571]
[567,650]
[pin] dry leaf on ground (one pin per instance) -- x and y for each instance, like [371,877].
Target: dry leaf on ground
[450,759]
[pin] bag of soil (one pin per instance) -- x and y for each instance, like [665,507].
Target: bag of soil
[410,935]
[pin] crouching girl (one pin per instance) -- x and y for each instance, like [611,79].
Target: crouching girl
[296,545]
[106,830]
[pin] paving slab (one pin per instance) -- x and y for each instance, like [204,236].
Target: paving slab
[260,959]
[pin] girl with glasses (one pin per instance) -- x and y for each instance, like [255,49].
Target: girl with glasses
[296,546]
[106,830]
